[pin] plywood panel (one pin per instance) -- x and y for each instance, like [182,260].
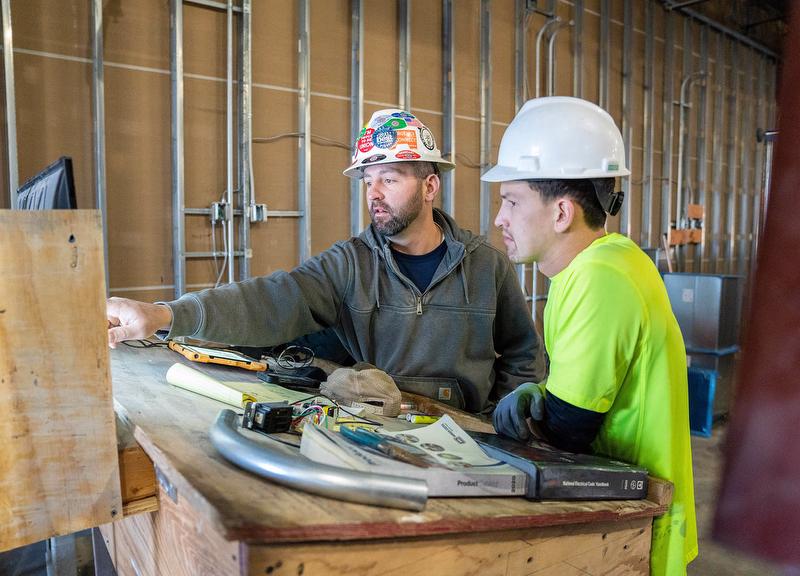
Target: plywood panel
[503,64]
[330,46]
[138,178]
[330,189]
[205,41]
[591,55]
[467,50]
[581,550]
[563,54]
[175,541]
[426,58]
[467,190]
[136,33]
[58,449]
[381,77]
[46,127]
[58,27]
[274,40]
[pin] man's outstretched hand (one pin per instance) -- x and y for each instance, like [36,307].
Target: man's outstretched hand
[134,320]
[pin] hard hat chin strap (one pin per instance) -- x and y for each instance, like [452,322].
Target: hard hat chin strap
[610,201]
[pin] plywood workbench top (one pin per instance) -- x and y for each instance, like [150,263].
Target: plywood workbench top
[172,426]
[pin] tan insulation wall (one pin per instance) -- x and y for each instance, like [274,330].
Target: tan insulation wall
[53,74]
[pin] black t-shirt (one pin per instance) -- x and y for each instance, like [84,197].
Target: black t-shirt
[420,268]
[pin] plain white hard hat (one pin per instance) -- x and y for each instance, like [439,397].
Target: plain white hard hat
[559,137]
[393,135]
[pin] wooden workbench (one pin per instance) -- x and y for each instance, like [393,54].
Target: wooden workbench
[214,518]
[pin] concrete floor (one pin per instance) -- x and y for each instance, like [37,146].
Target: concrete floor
[713,559]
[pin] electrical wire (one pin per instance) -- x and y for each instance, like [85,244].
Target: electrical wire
[315,139]
[217,269]
[144,344]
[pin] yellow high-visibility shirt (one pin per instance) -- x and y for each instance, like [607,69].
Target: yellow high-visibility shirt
[616,348]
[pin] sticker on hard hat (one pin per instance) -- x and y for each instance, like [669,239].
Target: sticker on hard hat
[384,137]
[365,142]
[403,115]
[407,155]
[407,137]
[379,120]
[395,123]
[612,167]
[427,138]
[374,158]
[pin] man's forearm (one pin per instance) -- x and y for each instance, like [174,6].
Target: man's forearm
[569,427]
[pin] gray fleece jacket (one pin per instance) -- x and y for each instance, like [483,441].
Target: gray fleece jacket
[466,341]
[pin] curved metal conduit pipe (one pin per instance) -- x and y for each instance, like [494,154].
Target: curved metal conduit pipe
[537,57]
[551,56]
[688,80]
[303,474]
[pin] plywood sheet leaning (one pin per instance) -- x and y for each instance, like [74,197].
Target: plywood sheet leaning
[58,448]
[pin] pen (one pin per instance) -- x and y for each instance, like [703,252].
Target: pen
[381,444]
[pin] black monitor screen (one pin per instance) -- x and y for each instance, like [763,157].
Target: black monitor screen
[52,188]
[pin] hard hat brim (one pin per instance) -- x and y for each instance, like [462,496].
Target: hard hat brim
[357,171]
[499,173]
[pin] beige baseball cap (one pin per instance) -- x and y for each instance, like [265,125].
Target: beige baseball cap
[364,384]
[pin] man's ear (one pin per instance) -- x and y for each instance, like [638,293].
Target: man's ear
[431,185]
[564,213]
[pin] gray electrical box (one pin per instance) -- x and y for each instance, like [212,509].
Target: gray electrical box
[707,307]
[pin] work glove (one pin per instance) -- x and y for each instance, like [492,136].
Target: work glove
[526,401]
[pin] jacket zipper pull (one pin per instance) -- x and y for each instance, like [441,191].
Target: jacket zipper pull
[419,306]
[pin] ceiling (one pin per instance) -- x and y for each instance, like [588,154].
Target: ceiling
[763,21]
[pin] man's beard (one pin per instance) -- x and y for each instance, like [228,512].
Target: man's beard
[399,219]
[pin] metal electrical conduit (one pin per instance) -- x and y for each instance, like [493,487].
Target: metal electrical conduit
[303,474]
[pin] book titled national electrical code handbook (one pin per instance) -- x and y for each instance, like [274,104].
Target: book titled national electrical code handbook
[480,464]
[554,474]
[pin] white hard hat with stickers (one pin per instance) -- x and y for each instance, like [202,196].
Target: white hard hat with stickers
[394,135]
[557,138]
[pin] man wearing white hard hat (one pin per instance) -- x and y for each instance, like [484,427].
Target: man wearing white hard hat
[435,306]
[617,382]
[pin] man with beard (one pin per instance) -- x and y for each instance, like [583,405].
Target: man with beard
[431,304]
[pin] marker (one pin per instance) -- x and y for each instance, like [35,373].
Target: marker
[419,419]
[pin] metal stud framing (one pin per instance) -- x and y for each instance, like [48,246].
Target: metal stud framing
[604,53]
[646,237]
[245,137]
[99,124]
[746,141]
[684,109]
[667,118]
[357,104]
[304,116]
[404,69]
[700,192]
[577,50]
[627,96]
[176,72]
[717,164]
[486,111]
[448,146]
[521,81]
[734,126]
[229,138]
